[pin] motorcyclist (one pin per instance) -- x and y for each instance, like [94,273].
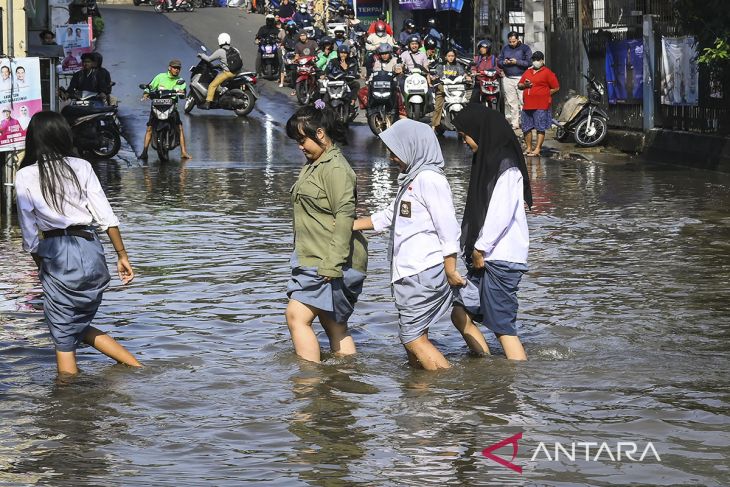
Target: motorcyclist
[432,31]
[90,78]
[373,25]
[345,64]
[166,81]
[449,69]
[340,16]
[432,52]
[265,31]
[286,10]
[288,44]
[413,57]
[340,37]
[380,36]
[385,61]
[409,28]
[484,60]
[304,46]
[302,17]
[327,53]
[221,55]
[353,23]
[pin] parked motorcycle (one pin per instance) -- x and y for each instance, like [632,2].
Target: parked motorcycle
[165,118]
[489,90]
[415,88]
[306,84]
[160,6]
[337,95]
[454,101]
[237,94]
[382,109]
[583,118]
[269,49]
[95,126]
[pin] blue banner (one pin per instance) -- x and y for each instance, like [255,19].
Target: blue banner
[625,71]
[455,5]
[416,4]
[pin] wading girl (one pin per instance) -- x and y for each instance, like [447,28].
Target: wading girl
[59,199]
[494,234]
[329,259]
[424,238]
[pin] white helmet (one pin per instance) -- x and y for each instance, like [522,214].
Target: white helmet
[224,39]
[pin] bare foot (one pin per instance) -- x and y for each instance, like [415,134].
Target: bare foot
[185,155]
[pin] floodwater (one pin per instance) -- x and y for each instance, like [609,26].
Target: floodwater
[624,315]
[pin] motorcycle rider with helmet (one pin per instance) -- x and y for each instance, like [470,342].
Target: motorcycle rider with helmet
[409,28]
[432,31]
[449,69]
[221,55]
[340,36]
[340,16]
[286,10]
[265,31]
[373,26]
[327,52]
[92,78]
[380,36]
[303,18]
[413,57]
[166,81]
[432,52]
[287,45]
[484,60]
[345,64]
[386,61]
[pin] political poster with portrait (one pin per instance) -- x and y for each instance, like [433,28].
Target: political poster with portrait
[680,76]
[20,99]
[75,40]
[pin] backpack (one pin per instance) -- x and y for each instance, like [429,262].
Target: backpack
[233,60]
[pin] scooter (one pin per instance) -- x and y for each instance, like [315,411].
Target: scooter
[306,84]
[269,49]
[160,6]
[237,94]
[454,101]
[165,120]
[489,89]
[289,67]
[337,95]
[582,117]
[415,88]
[381,108]
[94,125]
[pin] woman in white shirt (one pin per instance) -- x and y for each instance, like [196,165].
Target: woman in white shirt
[59,197]
[424,238]
[494,234]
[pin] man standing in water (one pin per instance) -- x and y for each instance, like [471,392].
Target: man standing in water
[514,61]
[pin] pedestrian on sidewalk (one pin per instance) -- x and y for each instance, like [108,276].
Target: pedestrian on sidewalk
[539,84]
[329,261]
[424,238]
[514,59]
[494,234]
[60,196]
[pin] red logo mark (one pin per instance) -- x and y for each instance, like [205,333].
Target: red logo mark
[487,452]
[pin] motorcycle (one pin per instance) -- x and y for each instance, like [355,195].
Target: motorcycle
[237,94]
[269,49]
[160,6]
[489,90]
[336,94]
[582,117]
[95,126]
[415,88]
[165,118]
[381,109]
[306,83]
[454,101]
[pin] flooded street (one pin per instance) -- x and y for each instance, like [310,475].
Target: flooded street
[624,316]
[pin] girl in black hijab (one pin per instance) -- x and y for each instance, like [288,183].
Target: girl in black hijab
[494,234]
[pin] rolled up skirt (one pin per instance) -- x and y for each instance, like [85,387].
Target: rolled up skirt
[73,275]
[336,297]
[490,295]
[421,300]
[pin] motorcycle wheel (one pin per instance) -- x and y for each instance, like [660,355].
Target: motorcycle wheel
[109,144]
[188,7]
[162,149]
[379,121]
[189,104]
[561,135]
[303,93]
[343,113]
[159,8]
[268,71]
[590,136]
[249,101]
[137,3]
[416,112]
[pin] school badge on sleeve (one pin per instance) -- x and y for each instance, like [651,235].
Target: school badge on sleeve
[405,209]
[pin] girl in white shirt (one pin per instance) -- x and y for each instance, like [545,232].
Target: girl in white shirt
[59,197]
[424,238]
[494,234]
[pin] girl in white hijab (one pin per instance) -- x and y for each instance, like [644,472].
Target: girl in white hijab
[424,238]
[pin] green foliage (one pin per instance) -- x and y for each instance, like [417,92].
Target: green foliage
[719,53]
[98,26]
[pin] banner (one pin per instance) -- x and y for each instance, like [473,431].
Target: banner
[75,40]
[416,4]
[455,5]
[625,71]
[368,11]
[20,99]
[679,71]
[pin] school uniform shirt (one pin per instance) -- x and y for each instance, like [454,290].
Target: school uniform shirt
[538,96]
[426,229]
[90,206]
[504,235]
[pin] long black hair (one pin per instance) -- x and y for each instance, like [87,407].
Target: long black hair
[48,141]
[306,120]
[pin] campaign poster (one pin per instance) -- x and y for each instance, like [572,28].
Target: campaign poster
[75,40]
[20,99]
[368,11]
[417,4]
[680,76]
[625,71]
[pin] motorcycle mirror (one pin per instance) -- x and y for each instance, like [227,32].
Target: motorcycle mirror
[180,82]
[143,86]
[203,49]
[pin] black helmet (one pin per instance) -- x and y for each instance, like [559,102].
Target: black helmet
[409,24]
[430,43]
[343,48]
[326,40]
[385,48]
[431,22]
[414,38]
[341,9]
[291,27]
[484,43]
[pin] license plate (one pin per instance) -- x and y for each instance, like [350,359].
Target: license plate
[381,84]
[268,54]
[417,92]
[162,101]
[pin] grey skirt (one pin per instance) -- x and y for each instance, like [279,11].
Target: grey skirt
[421,300]
[73,275]
[336,297]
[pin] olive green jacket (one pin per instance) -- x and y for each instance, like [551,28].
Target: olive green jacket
[324,199]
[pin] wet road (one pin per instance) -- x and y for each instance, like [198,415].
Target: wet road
[624,315]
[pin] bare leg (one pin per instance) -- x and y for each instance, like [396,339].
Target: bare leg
[412,358]
[540,140]
[341,342]
[512,347]
[528,142]
[66,363]
[109,347]
[427,355]
[299,319]
[471,333]
[147,141]
[183,148]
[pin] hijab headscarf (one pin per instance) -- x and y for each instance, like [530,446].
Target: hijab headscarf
[498,151]
[416,144]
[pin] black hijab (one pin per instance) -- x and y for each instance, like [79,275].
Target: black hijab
[498,151]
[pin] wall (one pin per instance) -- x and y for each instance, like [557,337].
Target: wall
[20,35]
